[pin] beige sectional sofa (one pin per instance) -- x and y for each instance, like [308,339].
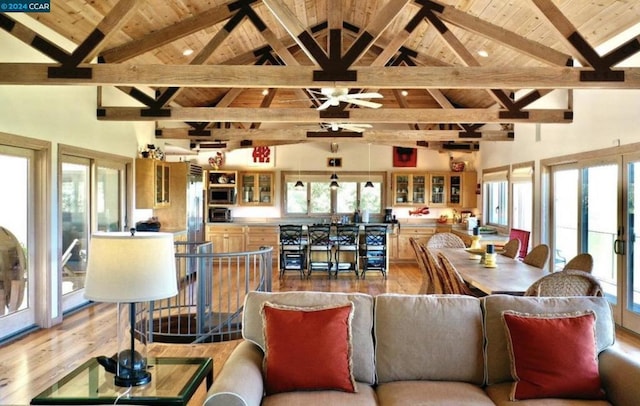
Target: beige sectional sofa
[423,350]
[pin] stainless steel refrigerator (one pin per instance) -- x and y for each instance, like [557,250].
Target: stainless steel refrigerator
[195,204]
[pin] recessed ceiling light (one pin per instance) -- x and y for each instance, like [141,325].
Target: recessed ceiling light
[187,52]
[265,92]
[483,53]
[404,93]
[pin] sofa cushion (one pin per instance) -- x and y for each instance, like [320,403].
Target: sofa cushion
[307,348]
[361,324]
[428,337]
[365,396]
[497,353]
[499,394]
[553,356]
[436,393]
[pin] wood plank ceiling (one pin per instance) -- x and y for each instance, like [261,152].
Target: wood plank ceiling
[244,73]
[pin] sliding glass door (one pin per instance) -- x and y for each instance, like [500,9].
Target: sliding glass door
[586,218]
[628,243]
[17,298]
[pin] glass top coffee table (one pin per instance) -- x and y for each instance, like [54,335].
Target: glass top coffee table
[173,382]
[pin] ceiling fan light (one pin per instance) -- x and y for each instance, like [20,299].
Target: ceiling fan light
[334,176]
[369,184]
[334,185]
[299,185]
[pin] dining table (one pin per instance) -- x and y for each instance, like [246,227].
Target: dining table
[509,276]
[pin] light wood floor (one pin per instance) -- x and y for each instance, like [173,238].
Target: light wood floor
[33,363]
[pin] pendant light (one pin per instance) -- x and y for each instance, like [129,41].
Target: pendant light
[334,177]
[299,185]
[369,184]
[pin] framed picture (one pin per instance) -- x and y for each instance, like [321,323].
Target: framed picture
[405,157]
[334,162]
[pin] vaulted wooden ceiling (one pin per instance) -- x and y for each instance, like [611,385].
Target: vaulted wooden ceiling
[447,70]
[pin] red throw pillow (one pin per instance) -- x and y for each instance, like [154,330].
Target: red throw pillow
[553,356]
[307,348]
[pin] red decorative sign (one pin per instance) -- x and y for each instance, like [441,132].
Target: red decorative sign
[262,155]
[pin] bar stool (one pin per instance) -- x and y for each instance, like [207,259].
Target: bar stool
[347,240]
[319,249]
[374,250]
[292,250]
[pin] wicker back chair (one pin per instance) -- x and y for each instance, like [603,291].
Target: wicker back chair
[582,262]
[570,282]
[538,256]
[435,271]
[427,283]
[511,248]
[445,240]
[453,282]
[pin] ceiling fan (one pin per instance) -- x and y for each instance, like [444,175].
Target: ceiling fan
[355,127]
[335,95]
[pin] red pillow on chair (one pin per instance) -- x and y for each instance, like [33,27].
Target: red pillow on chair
[553,356]
[307,348]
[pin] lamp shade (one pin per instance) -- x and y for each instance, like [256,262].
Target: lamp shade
[131,268]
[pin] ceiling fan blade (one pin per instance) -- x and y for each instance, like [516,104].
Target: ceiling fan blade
[370,95]
[363,103]
[353,127]
[325,105]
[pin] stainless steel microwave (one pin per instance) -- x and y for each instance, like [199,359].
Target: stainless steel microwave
[219,215]
[222,195]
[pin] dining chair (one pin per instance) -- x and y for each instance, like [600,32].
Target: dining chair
[581,262]
[374,250]
[454,284]
[523,236]
[319,249]
[421,260]
[538,256]
[435,271]
[445,240]
[511,248]
[293,254]
[570,282]
[346,243]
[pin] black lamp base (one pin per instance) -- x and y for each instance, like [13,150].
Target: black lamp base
[136,379]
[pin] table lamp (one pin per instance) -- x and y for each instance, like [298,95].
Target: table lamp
[129,268]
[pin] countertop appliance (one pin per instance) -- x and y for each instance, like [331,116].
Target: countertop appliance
[219,215]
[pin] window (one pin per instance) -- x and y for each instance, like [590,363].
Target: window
[522,197]
[317,197]
[496,198]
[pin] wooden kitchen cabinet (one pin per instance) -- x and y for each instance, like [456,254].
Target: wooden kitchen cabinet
[409,188]
[438,185]
[153,183]
[263,236]
[226,238]
[256,188]
[404,250]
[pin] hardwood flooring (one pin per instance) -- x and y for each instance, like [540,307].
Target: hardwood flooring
[34,362]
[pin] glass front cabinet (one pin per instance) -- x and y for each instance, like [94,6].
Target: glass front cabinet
[438,189]
[256,188]
[435,189]
[409,189]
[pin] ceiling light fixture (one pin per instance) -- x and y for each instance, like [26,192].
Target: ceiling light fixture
[404,93]
[334,177]
[369,184]
[483,53]
[299,185]
[265,92]
[187,52]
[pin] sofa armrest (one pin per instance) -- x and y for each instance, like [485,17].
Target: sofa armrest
[620,375]
[240,380]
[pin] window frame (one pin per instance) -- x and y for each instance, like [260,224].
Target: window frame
[307,177]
